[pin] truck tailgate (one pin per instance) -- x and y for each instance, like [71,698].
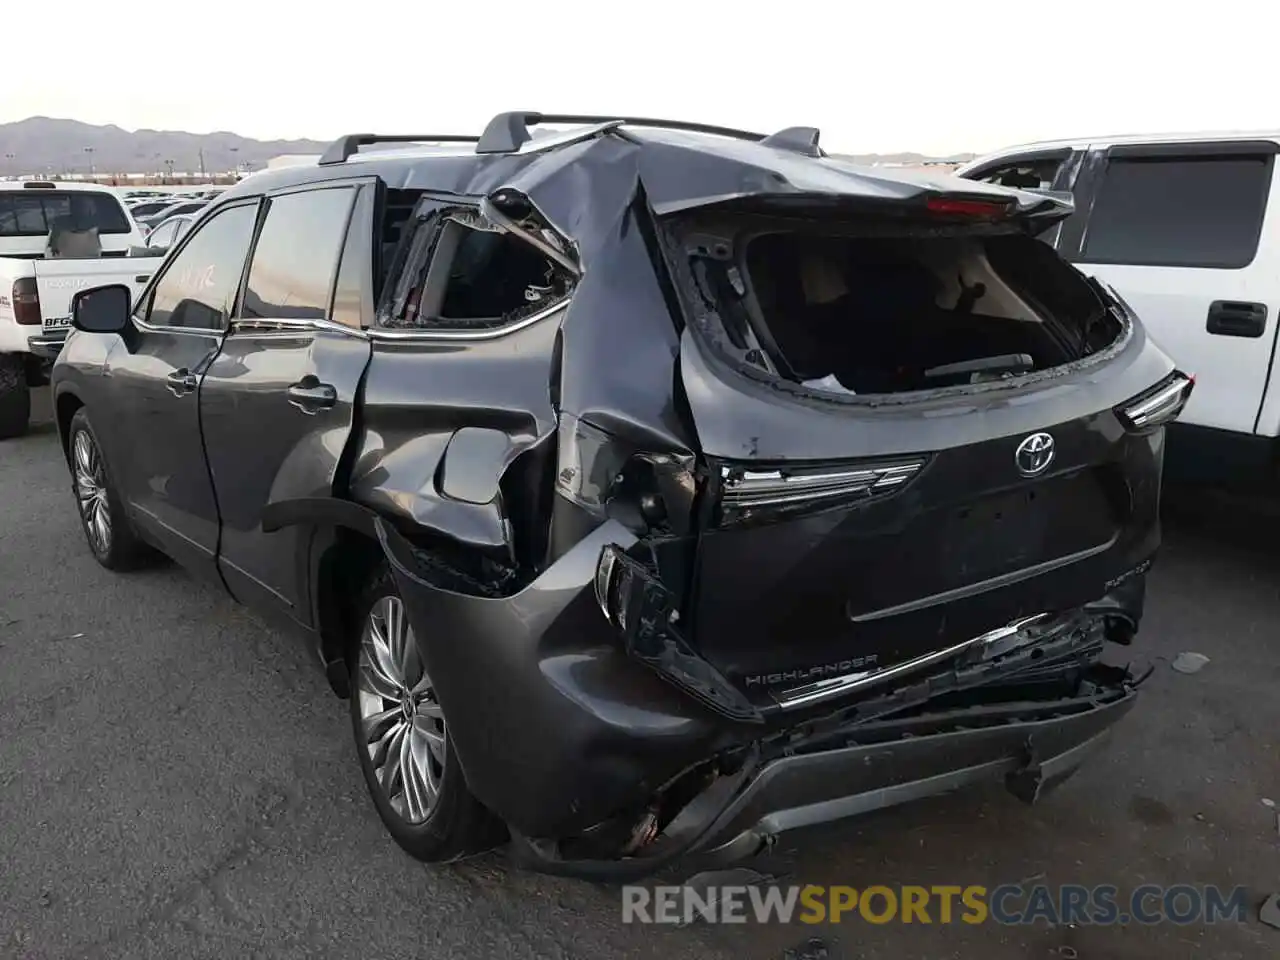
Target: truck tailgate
[58,281]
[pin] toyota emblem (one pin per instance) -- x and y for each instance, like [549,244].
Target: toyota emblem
[1034,454]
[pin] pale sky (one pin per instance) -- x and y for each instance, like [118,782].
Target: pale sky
[908,75]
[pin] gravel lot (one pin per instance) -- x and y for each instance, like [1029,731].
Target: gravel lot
[176,781]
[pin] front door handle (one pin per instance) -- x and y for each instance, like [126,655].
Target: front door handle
[311,396]
[1231,318]
[181,382]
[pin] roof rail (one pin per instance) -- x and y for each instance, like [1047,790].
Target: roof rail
[342,149]
[507,132]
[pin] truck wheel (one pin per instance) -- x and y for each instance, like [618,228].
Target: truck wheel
[102,514]
[402,739]
[15,397]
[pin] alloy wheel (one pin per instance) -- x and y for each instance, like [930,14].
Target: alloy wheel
[403,728]
[91,492]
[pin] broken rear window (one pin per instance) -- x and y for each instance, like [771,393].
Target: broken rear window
[891,309]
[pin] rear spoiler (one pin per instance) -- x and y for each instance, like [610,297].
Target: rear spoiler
[1032,211]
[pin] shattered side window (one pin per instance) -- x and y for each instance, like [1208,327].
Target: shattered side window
[458,272]
[1036,174]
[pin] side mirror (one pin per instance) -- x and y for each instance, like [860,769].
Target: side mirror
[102,309]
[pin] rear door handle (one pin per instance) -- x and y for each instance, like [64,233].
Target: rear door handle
[142,278]
[181,382]
[310,395]
[1232,318]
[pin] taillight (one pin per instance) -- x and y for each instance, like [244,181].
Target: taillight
[978,209]
[1158,406]
[643,611]
[26,302]
[754,494]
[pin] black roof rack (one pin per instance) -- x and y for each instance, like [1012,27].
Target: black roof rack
[341,150]
[508,132]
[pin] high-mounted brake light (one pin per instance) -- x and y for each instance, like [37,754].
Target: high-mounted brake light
[978,209]
[39,185]
[1159,406]
[26,302]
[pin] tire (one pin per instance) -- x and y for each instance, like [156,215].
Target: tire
[15,397]
[103,518]
[394,715]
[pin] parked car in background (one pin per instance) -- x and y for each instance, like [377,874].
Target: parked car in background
[55,238]
[168,232]
[151,220]
[1187,230]
[649,488]
[147,207]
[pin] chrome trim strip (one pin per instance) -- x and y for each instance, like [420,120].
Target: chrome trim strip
[293,326]
[188,331]
[411,335]
[384,334]
[983,586]
[820,690]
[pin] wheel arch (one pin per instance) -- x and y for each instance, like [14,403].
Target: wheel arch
[343,552]
[65,405]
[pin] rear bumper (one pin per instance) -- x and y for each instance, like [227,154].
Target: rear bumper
[581,732]
[48,344]
[1032,755]
[565,737]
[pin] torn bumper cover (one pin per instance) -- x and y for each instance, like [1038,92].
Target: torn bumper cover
[559,727]
[1032,749]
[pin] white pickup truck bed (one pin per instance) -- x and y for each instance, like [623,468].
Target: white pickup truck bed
[28,348]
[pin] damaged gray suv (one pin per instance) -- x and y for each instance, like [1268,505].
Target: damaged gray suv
[648,488]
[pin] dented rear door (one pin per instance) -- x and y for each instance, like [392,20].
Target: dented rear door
[451,403]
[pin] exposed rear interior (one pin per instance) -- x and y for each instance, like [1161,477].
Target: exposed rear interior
[870,309]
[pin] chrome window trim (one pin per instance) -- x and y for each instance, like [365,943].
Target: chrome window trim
[259,325]
[265,326]
[165,328]
[413,335]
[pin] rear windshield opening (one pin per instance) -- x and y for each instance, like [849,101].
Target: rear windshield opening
[896,313]
[36,213]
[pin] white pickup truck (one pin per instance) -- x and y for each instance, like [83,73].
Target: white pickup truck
[55,238]
[1186,228]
